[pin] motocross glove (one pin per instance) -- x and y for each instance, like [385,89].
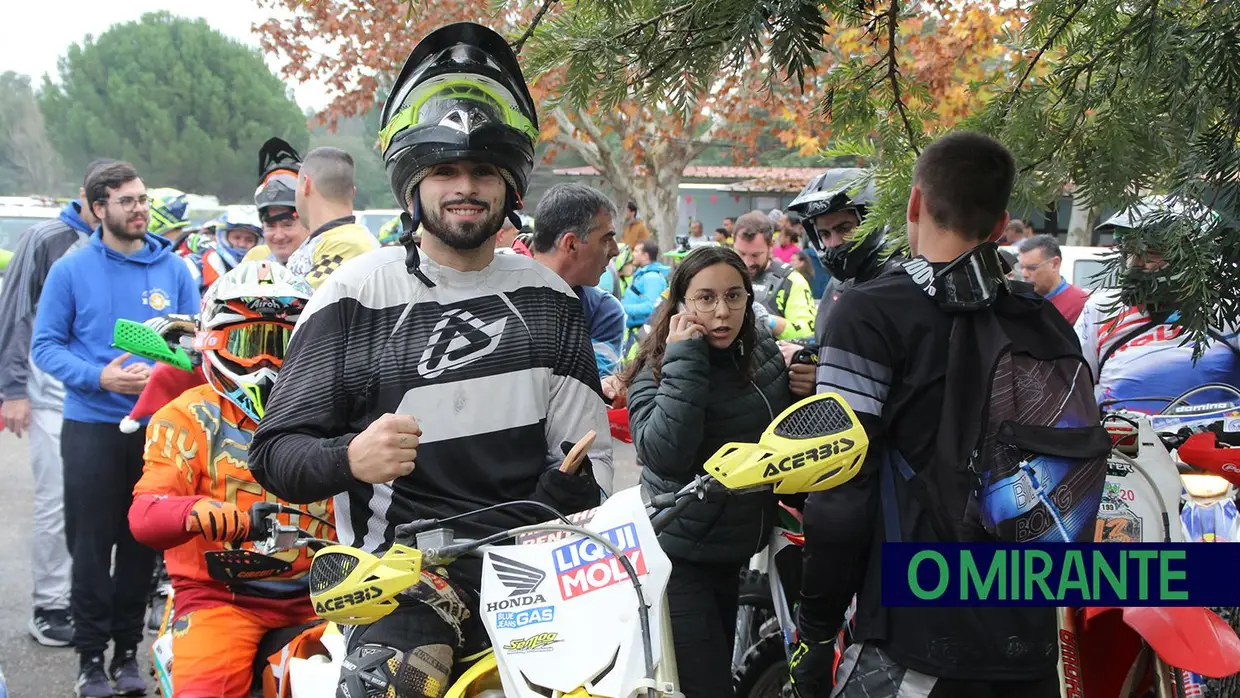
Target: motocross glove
[811,668]
[218,521]
[569,493]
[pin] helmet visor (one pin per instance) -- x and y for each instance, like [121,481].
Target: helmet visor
[248,344]
[462,102]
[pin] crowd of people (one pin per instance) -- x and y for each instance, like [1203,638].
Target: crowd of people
[381,407]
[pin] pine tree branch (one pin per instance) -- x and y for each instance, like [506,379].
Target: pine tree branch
[1050,41]
[893,72]
[542,11]
[654,21]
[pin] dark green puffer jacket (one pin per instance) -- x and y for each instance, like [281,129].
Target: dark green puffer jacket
[703,401]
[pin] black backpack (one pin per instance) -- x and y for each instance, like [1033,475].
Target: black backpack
[1021,454]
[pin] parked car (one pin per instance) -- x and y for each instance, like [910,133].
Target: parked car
[17,215]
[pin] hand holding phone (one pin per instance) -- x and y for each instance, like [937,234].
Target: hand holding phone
[685,325]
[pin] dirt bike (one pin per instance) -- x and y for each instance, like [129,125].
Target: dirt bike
[301,662]
[577,607]
[289,662]
[1130,651]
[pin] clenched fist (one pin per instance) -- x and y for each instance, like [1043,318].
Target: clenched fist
[385,450]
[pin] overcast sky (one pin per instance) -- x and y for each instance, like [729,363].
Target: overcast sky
[34,34]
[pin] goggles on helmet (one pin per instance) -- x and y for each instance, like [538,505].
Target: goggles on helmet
[247,344]
[440,100]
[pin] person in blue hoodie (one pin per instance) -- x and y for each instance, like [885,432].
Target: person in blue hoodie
[33,403]
[644,291]
[122,272]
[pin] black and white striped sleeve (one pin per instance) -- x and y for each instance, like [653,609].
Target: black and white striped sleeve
[855,358]
[300,451]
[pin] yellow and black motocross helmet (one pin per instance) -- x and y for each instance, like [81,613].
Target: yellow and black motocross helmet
[460,96]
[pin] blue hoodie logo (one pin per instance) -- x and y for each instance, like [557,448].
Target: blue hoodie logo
[156,299]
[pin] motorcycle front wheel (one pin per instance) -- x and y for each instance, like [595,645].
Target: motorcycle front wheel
[763,671]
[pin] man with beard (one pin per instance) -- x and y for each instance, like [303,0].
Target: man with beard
[431,382]
[776,285]
[324,202]
[123,272]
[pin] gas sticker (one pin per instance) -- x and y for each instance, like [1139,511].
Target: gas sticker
[585,565]
[538,643]
[520,619]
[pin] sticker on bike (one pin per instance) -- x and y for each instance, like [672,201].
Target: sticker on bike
[585,565]
[538,643]
[521,579]
[520,619]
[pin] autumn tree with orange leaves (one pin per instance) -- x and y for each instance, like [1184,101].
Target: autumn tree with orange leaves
[1116,100]
[639,142]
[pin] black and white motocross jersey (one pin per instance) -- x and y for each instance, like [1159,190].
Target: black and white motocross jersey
[495,365]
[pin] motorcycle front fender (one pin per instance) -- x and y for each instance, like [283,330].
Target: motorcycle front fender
[1192,639]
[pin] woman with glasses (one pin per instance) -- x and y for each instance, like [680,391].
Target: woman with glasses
[707,374]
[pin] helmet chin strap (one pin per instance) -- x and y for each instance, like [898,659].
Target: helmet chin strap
[409,222]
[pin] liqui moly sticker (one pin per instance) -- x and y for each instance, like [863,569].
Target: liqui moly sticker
[585,565]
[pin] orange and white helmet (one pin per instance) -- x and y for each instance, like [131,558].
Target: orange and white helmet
[246,321]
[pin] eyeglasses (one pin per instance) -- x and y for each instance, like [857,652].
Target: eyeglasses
[706,302]
[127,203]
[1034,267]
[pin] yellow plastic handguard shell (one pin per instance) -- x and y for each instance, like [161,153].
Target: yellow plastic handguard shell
[814,445]
[361,589]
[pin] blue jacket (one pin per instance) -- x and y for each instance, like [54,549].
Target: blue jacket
[86,292]
[605,318]
[649,282]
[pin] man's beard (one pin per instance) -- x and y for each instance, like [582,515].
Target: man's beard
[464,235]
[119,226]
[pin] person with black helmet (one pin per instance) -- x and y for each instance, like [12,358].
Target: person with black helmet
[830,211]
[276,200]
[386,399]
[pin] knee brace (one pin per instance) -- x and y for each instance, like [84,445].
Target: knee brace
[377,671]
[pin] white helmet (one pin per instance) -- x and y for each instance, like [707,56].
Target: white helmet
[246,321]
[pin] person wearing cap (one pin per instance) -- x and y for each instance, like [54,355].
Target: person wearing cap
[387,396]
[1135,349]
[275,198]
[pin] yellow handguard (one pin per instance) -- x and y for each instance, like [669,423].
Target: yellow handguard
[353,587]
[814,445]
